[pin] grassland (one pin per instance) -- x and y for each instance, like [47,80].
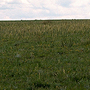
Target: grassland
[45,55]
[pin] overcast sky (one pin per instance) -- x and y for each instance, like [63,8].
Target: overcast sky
[44,9]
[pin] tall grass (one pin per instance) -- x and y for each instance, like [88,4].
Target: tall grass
[41,55]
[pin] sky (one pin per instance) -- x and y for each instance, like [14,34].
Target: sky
[44,9]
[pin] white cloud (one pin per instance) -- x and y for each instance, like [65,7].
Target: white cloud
[25,1]
[78,3]
[48,9]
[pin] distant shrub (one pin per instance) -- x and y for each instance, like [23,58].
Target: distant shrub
[46,22]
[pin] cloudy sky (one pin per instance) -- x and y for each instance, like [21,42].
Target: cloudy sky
[44,9]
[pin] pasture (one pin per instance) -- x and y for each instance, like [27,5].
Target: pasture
[45,55]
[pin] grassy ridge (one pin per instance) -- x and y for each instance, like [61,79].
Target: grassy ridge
[41,55]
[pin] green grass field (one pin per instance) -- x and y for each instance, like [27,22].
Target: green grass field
[45,55]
